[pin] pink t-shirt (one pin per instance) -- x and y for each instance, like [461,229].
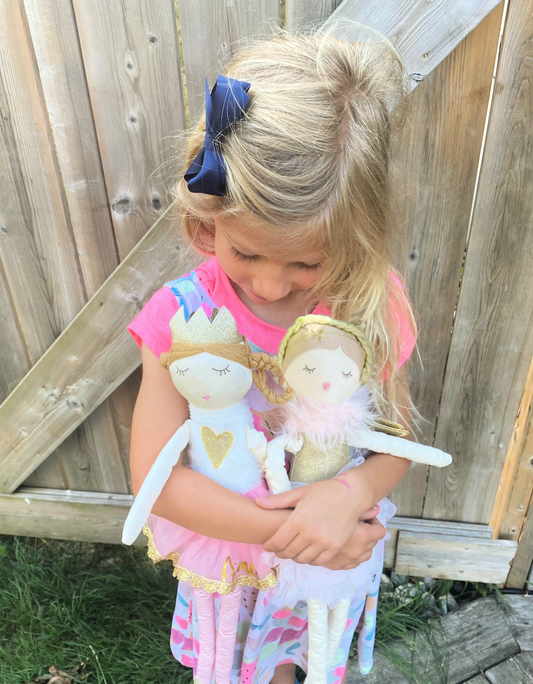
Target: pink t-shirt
[151,325]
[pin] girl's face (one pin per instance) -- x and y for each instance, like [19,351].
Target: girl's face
[327,376]
[252,260]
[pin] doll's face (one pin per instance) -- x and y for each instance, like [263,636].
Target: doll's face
[210,382]
[327,376]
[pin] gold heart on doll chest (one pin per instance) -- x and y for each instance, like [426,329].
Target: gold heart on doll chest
[216,446]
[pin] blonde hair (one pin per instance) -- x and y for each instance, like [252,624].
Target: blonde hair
[309,160]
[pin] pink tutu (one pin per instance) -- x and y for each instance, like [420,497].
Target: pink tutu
[214,565]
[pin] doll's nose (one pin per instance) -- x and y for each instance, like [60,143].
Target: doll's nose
[326,385]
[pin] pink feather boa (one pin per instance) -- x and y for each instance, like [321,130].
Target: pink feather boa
[329,424]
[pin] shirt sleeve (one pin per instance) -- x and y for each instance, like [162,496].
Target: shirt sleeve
[151,325]
[405,331]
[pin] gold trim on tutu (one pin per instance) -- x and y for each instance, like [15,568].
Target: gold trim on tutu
[209,585]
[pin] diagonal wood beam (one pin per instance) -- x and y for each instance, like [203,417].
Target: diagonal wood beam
[424,33]
[95,354]
[90,359]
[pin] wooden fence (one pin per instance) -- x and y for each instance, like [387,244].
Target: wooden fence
[91,95]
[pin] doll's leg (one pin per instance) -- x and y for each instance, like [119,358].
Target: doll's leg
[228,621]
[367,636]
[338,617]
[318,642]
[205,609]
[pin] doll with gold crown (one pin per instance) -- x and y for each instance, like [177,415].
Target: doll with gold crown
[211,366]
[328,364]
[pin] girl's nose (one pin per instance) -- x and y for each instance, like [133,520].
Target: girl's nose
[326,385]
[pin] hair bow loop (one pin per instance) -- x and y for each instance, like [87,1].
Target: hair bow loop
[223,107]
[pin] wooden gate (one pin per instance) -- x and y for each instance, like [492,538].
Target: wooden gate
[91,95]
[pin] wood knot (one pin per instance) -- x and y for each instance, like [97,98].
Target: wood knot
[123,206]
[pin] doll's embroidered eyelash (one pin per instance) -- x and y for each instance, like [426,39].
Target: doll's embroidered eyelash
[181,372]
[309,370]
[346,375]
[222,371]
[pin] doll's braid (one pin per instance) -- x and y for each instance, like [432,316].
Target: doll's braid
[260,363]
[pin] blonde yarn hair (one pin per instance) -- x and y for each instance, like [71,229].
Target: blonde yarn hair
[308,162]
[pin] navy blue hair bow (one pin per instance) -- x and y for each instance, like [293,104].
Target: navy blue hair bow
[223,107]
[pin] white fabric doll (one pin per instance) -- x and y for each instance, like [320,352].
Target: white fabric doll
[328,363]
[211,366]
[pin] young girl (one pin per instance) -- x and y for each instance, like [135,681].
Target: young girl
[286,190]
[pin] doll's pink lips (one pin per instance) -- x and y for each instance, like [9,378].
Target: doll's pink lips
[207,397]
[326,385]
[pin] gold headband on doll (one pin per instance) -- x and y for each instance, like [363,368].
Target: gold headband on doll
[218,335]
[315,332]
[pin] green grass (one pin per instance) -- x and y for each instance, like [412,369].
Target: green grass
[102,614]
[64,604]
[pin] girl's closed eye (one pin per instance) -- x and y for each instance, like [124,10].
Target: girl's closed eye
[222,371]
[179,371]
[244,257]
[308,267]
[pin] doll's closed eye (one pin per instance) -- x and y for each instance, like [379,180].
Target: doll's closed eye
[308,370]
[181,372]
[346,375]
[222,371]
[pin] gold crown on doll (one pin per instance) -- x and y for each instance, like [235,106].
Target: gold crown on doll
[200,329]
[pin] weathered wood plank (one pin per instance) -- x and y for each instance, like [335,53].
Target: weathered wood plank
[440,527]
[453,557]
[520,619]
[424,33]
[518,670]
[462,645]
[516,483]
[38,253]
[65,515]
[492,343]
[211,33]
[434,162]
[90,359]
[523,560]
[131,60]
[302,13]
[480,679]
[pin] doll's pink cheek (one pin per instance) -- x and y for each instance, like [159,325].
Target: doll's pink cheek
[326,385]
[207,397]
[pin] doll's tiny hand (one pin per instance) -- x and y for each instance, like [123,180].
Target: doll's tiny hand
[257,444]
[294,444]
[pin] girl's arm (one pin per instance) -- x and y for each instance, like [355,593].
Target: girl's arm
[188,498]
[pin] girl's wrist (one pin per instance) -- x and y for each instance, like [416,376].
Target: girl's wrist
[360,493]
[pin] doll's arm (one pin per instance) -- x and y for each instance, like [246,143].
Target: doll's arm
[271,457]
[397,446]
[154,483]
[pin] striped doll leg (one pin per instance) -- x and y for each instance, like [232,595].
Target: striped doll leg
[228,621]
[338,617]
[367,636]
[317,672]
[205,611]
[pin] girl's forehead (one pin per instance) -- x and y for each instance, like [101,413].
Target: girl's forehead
[279,243]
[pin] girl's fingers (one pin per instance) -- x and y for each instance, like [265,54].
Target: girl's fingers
[308,555]
[370,513]
[286,500]
[283,537]
[295,547]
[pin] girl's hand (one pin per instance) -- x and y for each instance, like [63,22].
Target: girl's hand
[325,526]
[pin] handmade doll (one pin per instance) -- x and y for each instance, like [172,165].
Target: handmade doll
[328,363]
[211,366]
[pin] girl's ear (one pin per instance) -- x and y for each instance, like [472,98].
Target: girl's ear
[204,242]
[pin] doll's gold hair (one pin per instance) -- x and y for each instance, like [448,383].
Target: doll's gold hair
[222,339]
[316,331]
